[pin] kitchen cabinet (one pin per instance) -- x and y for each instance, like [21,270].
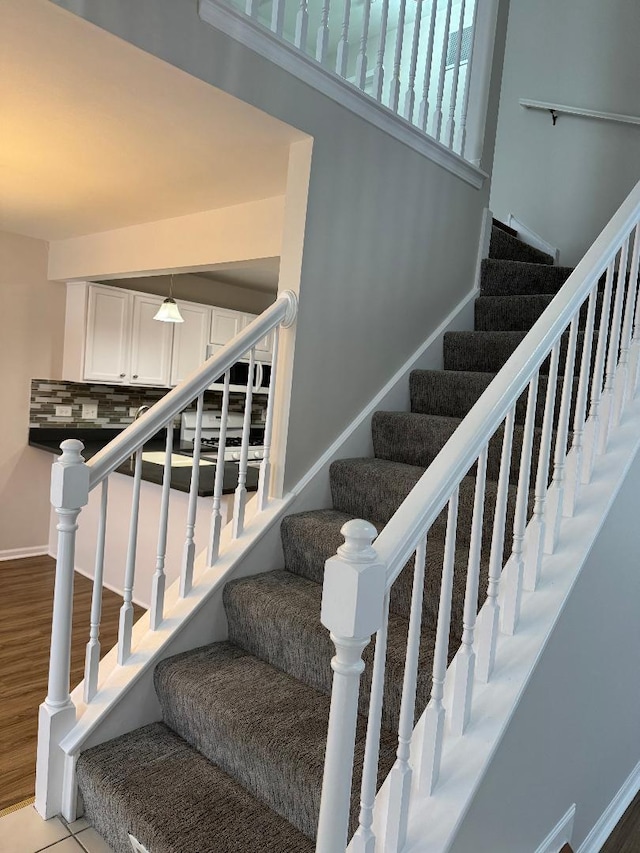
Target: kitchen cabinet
[151,343]
[225,325]
[190,340]
[108,334]
[264,347]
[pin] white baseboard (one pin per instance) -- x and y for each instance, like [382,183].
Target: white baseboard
[21,553]
[612,814]
[560,834]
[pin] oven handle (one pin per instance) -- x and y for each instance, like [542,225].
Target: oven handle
[259,377]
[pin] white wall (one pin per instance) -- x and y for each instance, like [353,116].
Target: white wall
[575,737]
[565,182]
[31,332]
[390,239]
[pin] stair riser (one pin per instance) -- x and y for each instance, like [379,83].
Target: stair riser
[512,278]
[509,314]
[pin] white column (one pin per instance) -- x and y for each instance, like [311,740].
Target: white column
[352,610]
[57,714]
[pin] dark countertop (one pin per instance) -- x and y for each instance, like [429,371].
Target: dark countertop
[95,439]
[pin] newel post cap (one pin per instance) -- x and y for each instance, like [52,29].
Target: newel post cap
[354,584]
[70,477]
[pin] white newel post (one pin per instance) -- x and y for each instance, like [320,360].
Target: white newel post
[352,610]
[57,715]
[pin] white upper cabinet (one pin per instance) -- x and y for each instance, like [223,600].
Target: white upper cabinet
[225,325]
[190,340]
[106,357]
[151,343]
[264,347]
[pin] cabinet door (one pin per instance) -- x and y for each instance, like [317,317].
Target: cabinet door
[150,343]
[225,325]
[190,340]
[264,347]
[107,338]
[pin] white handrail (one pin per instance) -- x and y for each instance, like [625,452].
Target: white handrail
[282,312]
[578,111]
[400,537]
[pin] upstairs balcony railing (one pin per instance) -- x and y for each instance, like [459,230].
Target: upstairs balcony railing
[427,62]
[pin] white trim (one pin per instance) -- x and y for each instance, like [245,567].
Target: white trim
[257,38]
[612,814]
[529,236]
[21,553]
[560,834]
[578,111]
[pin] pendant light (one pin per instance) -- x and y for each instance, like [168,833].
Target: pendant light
[169,311]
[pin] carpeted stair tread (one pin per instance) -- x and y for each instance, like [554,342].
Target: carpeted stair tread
[150,782]
[509,278]
[289,636]
[508,247]
[264,728]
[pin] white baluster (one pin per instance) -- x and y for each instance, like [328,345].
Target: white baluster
[490,616]
[92,653]
[622,374]
[466,658]
[378,74]
[451,124]
[277,17]
[352,610]
[240,499]
[555,497]
[322,42]
[467,83]
[533,561]
[361,60]
[394,94]
[437,116]
[423,113]
[401,774]
[251,8]
[364,839]
[612,355]
[342,54]
[189,553]
[634,352]
[302,26]
[57,714]
[125,626]
[593,422]
[156,614]
[218,484]
[264,478]
[579,416]
[410,96]
[435,713]
[515,571]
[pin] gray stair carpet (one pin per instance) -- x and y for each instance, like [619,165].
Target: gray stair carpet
[237,763]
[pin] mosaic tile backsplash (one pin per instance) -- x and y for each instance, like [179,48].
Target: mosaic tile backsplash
[114,402]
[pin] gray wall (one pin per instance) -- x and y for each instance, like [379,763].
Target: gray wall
[575,735]
[566,181]
[391,238]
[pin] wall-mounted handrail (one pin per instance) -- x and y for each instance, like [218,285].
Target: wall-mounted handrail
[560,109]
[283,311]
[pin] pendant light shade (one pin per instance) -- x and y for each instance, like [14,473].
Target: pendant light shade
[169,311]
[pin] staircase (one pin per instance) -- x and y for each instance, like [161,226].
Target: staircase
[237,763]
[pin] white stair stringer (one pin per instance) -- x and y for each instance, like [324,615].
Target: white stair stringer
[434,820]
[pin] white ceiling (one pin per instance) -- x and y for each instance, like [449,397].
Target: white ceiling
[96,134]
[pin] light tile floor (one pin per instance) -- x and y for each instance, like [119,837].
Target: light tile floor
[24,831]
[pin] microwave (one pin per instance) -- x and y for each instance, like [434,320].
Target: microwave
[239,374]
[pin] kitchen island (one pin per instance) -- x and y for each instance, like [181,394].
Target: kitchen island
[119,509]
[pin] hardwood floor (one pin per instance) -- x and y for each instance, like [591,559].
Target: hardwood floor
[625,838]
[26,601]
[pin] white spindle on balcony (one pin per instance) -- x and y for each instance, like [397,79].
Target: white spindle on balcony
[467,85]
[156,613]
[535,545]
[515,572]
[437,116]
[125,626]
[361,60]
[92,655]
[423,114]
[378,74]
[302,26]
[342,54]
[401,774]
[189,554]
[622,379]
[465,661]
[322,41]
[489,623]
[613,351]
[277,17]
[451,124]
[435,713]
[394,93]
[410,97]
